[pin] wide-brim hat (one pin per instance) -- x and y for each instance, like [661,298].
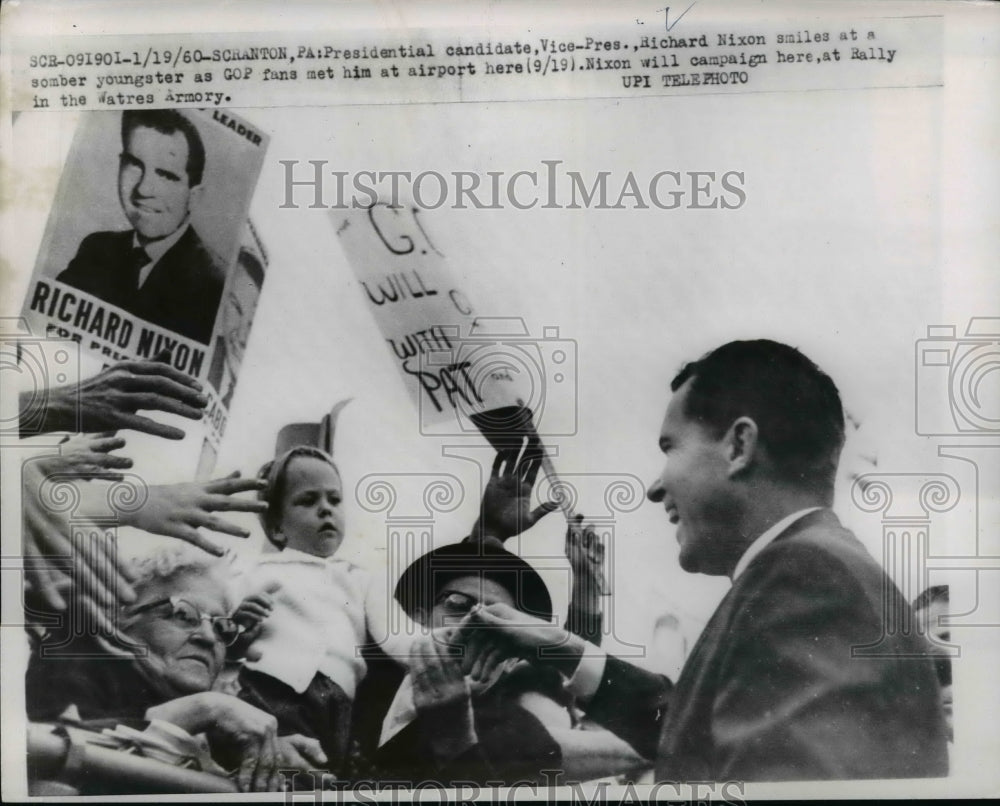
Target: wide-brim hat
[418,585]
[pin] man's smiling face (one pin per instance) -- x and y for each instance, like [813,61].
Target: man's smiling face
[153,182]
[693,488]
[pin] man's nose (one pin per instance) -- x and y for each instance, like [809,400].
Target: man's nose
[656,493]
[145,186]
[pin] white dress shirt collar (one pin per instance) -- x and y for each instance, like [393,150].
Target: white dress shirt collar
[767,538]
[157,249]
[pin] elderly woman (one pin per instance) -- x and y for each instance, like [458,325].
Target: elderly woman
[170,650]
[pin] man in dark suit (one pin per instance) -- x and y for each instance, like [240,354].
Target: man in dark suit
[160,270]
[797,675]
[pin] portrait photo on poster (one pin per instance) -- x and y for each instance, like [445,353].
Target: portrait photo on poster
[146,225]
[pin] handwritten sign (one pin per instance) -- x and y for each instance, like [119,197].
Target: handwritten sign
[426,319]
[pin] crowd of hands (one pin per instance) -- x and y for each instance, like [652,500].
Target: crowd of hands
[443,662]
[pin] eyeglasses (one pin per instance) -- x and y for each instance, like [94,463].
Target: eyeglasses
[188,617]
[455,602]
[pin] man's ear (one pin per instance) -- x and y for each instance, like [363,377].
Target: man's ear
[421,615]
[194,196]
[742,444]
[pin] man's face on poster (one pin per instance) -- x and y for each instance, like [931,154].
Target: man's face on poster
[153,182]
[237,314]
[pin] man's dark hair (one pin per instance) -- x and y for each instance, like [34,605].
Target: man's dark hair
[935,593]
[169,121]
[795,405]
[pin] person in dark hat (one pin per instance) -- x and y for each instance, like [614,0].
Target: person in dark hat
[460,715]
[446,722]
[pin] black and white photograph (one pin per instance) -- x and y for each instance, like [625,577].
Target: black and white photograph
[603,404]
[151,208]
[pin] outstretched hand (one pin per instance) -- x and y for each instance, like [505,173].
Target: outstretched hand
[109,400]
[506,510]
[178,510]
[86,457]
[58,565]
[523,636]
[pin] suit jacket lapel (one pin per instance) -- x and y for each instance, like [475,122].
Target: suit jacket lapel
[695,682]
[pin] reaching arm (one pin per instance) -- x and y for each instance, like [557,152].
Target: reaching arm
[109,401]
[627,700]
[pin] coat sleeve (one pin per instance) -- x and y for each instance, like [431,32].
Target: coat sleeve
[631,703]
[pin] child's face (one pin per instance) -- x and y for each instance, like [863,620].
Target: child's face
[312,519]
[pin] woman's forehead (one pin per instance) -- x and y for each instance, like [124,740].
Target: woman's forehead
[204,590]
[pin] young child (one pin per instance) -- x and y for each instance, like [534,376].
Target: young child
[309,611]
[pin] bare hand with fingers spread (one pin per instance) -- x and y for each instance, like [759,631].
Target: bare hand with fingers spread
[87,457]
[179,510]
[53,559]
[506,507]
[109,401]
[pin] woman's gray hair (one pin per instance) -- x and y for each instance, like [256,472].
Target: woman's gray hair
[169,563]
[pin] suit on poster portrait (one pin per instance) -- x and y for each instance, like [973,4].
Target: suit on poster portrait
[161,270]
